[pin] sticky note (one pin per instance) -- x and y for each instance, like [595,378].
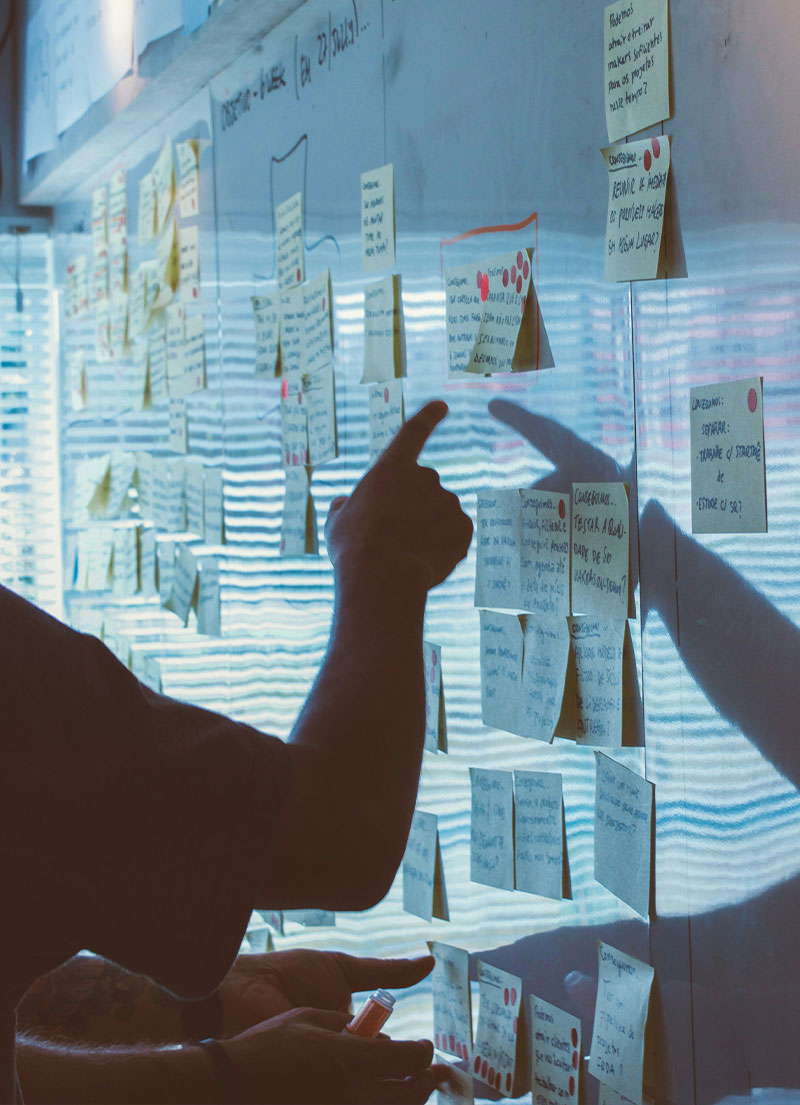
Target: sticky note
[100,277]
[424,892]
[456,1087]
[555,1054]
[77,290]
[377,219]
[193,377]
[184,582]
[117,232]
[168,266]
[544,553]
[637,191]
[99,219]
[267,318]
[499,996]
[102,333]
[157,353]
[298,535]
[505,334]
[165,566]
[540,854]
[384,333]
[189,188]
[194,487]
[623,813]
[499,537]
[463,312]
[727,440]
[452,1004]
[190,263]
[146,230]
[169,508]
[111,495]
[125,570]
[164,183]
[144,483]
[101,548]
[138,310]
[140,361]
[636,65]
[492,828]
[289,236]
[78,381]
[600,549]
[386,415]
[501,670]
[294,423]
[118,326]
[214,506]
[178,426]
[544,671]
[597,652]
[147,562]
[320,402]
[435,723]
[317,324]
[292,304]
[208,598]
[620,1015]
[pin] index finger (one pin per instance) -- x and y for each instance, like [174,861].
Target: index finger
[365,974]
[410,439]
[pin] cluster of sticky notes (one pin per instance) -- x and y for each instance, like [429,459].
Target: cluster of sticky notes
[726,423]
[179,494]
[424,891]
[636,74]
[194,584]
[517,832]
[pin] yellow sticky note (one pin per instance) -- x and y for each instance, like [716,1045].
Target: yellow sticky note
[317,324]
[544,672]
[189,189]
[298,536]
[146,229]
[164,184]
[636,65]
[289,236]
[386,415]
[178,426]
[597,652]
[499,538]
[544,553]
[377,219]
[320,401]
[555,1054]
[539,840]
[452,1004]
[384,334]
[190,263]
[267,318]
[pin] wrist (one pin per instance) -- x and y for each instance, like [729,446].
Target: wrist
[384,569]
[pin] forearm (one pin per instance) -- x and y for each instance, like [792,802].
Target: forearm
[52,1072]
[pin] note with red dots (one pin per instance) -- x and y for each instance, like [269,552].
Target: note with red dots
[637,191]
[501,670]
[320,399]
[620,1015]
[506,339]
[555,1054]
[492,828]
[544,553]
[623,815]
[289,241]
[544,672]
[600,549]
[294,422]
[499,534]
[424,892]
[452,1003]
[386,415]
[500,996]
[377,219]
[384,334]
[267,318]
[729,493]
[295,529]
[636,54]
[435,722]
[317,325]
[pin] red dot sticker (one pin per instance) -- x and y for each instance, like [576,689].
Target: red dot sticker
[299,276]
[480,278]
[491,1076]
[484,1069]
[647,160]
[513,274]
[458,1050]
[284,389]
[505,278]
[484,287]
[574,1060]
[498,1081]
[571,1086]
[752,399]
[288,456]
[477,1064]
[283,544]
[513,994]
[386,395]
[526,270]
[519,258]
[508,1083]
[299,398]
[519,285]
[452,1043]
[562,510]
[434,659]
[294,458]
[574,1031]
[656,147]
[505,996]
[324,301]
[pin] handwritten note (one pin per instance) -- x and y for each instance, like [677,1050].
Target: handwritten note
[117,232]
[544,671]
[435,724]
[637,191]
[189,188]
[636,54]
[294,422]
[126,561]
[384,335]
[193,377]
[555,1054]
[289,235]
[597,651]
[499,996]
[321,409]
[214,506]
[164,183]
[209,615]
[727,440]
[77,290]
[540,854]
[377,219]
[157,355]
[623,813]
[317,324]
[178,426]
[146,231]
[169,507]
[600,549]
[423,875]
[190,263]
[267,317]
[501,670]
[544,553]
[499,537]
[292,304]
[182,594]
[452,1004]
[463,316]
[492,828]
[456,1088]
[137,302]
[297,539]
[176,340]
[386,415]
[620,1015]
[506,337]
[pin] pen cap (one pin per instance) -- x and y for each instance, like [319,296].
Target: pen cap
[384,998]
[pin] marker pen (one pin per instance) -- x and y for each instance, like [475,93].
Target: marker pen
[372,1015]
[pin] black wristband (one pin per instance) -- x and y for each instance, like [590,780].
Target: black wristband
[228,1092]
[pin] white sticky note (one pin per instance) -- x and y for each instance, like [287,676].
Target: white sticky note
[620,1015]
[597,651]
[289,237]
[452,1004]
[208,598]
[623,813]
[292,329]
[296,513]
[544,672]
[294,423]
[499,996]
[194,486]
[169,509]
[140,367]
[214,507]
[544,553]
[125,572]
[555,1054]
[189,188]
[600,549]
[147,562]
[384,335]
[492,828]
[637,192]
[456,1087]
[77,286]
[184,581]
[377,219]
[194,357]
[317,324]
[504,337]
[267,318]
[118,326]
[463,315]
[117,232]
[101,548]
[165,566]
[100,277]
[539,845]
[636,69]
[320,400]
[386,415]
[423,875]
[178,426]
[176,341]
[146,228]
[501,670]
[157,349]
[164,183]
[100,219]
[190,263]
[138,310]
[729,492]
[435,722]
[102,333]
[499,537]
